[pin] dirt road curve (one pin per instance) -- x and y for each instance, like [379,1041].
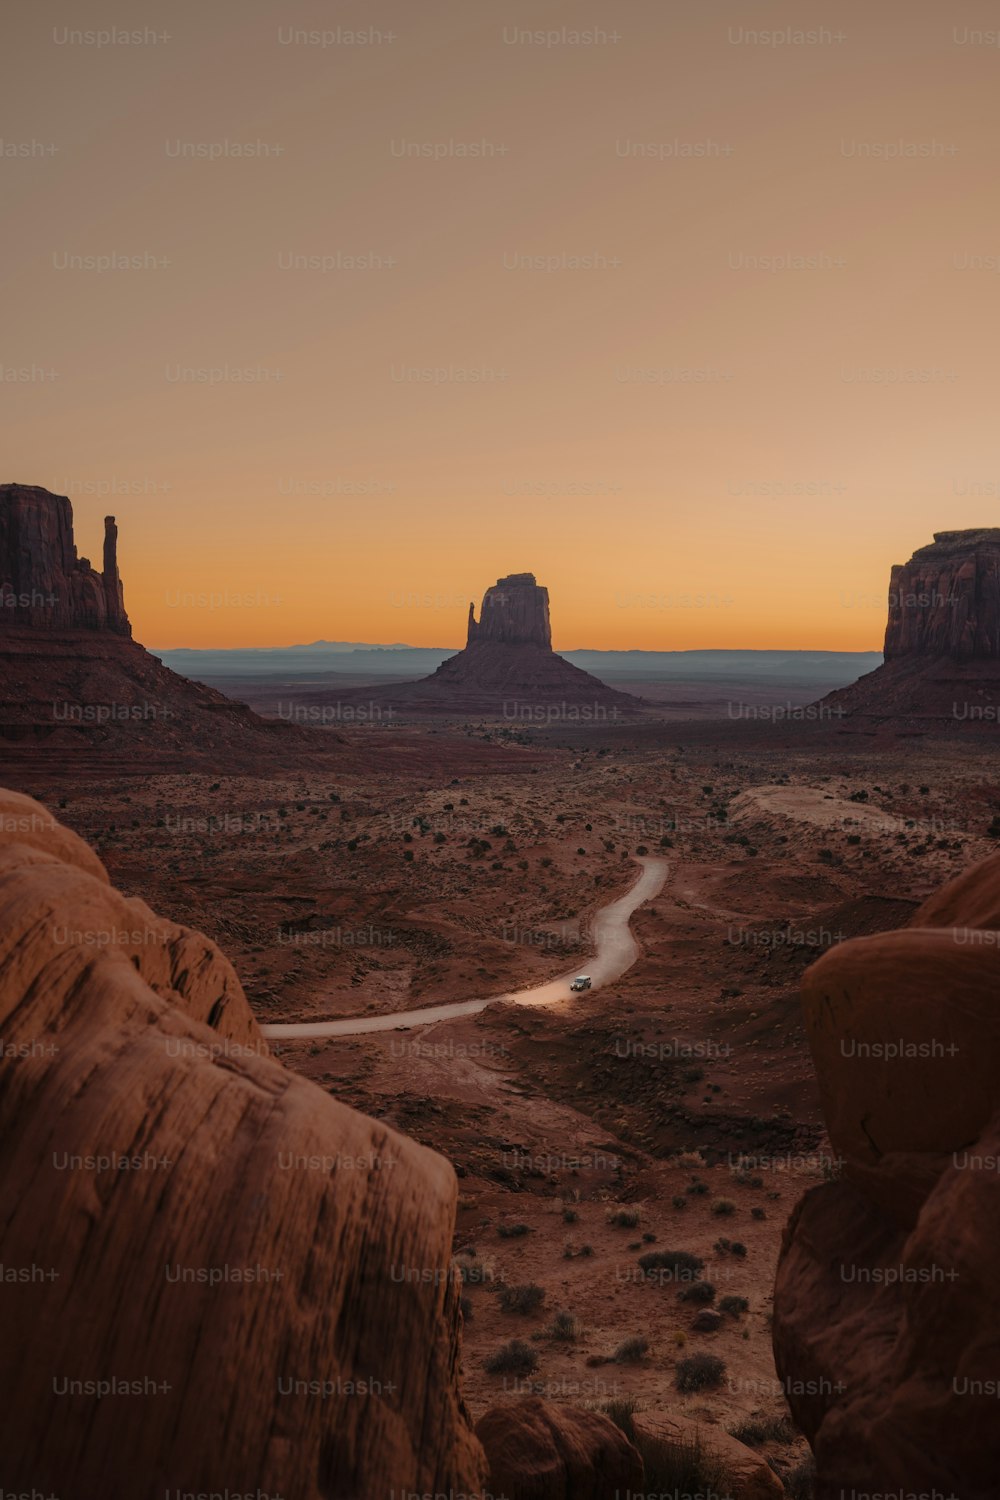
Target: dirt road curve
[615,951]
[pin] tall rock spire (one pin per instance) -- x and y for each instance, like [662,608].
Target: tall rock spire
[114,595]
[44,583]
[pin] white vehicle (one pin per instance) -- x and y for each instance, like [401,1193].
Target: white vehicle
[581,982]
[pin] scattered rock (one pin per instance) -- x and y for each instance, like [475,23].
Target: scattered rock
[747,1475]
[539,1451]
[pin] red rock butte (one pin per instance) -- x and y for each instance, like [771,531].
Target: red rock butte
[77,691]
[508,667]
[946,600]
[942,640]
[43,583]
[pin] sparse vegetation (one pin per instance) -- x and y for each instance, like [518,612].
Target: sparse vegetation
[632,1351]
[513,1358]
[698,1292]
[671,1265]
[512,1231]
[524,1299]
[757,1430]
[699,1372]
[564,1328]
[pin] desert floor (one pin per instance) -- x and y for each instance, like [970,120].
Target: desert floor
[675,1109]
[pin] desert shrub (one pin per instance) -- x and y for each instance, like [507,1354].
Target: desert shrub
[671,1265]
[570,1216]
[757,1430]
[723,1207]
[631,1351]
[512,1231]
[757,1212]
[649,1237]
[696,1189]
[733,1305]
[624,1218]
[698,1292]
[699,1372]
[513,1358]
[679,1201]
[522,1299]
[564,1328]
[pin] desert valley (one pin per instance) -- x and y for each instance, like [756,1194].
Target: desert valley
[620,1172]
[499,779]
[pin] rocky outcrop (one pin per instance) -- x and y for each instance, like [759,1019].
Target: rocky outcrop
[77,693]
[887,1310]
[515,612]
[946,600]
[215,1276]
[508,668]
[742,1474]
[44,585]
[539,1451]
[942,642]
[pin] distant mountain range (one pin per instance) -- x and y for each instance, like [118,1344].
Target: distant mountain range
[363,659]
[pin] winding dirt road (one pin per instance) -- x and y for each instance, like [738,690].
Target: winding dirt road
[615,950]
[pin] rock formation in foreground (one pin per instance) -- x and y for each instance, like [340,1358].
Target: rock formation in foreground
[78,694]
[508,668]
[215,1277]
[887,1301]
[942,639]
[259,1272]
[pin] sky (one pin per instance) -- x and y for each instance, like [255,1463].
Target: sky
[347,310]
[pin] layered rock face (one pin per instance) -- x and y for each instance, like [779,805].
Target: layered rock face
[887,1305]
[515,612]
[216,1277]
[76,690]
[44,585]
[946,600]
[942,640]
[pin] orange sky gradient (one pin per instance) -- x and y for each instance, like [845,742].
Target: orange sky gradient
[660,510]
